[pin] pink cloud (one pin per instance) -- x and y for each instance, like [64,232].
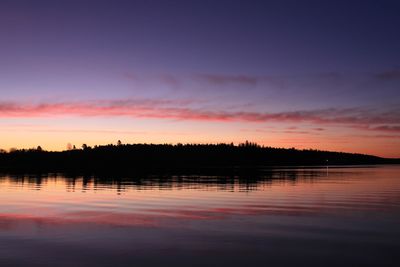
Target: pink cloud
[387,128]
[366,119]
[380,136]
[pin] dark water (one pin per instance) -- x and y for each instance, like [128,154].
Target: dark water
[287,217]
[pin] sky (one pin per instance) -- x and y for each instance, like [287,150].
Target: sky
[304,74]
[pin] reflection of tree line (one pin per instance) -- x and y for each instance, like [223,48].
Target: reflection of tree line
[168,182]
[190,158]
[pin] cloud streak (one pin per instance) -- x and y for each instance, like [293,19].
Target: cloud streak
[367,119]
[389,75]
[218,79]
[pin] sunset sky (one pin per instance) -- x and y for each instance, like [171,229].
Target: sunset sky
[304,74]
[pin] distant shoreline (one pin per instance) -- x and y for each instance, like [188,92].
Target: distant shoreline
[151,158]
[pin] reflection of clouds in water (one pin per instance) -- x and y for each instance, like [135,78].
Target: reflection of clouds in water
[154,201]
[53,220]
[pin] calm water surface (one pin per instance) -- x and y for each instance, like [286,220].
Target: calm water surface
[286,217]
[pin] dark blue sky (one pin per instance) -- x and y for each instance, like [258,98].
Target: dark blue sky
[205,57]
[257,36]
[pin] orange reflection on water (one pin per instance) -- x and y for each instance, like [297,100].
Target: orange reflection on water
[157,201]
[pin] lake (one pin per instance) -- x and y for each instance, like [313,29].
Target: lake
[342,216]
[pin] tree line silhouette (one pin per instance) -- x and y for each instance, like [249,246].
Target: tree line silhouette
[179,157]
